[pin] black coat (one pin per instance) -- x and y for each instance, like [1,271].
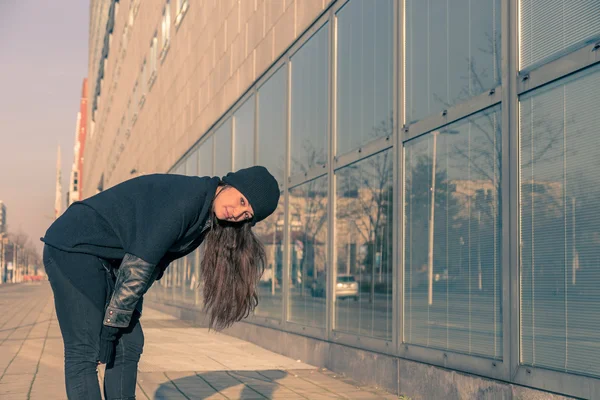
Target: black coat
[141,225]
[154,217]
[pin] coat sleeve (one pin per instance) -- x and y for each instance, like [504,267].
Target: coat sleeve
[134,278]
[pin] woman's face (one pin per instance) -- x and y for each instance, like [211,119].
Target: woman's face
[231,205]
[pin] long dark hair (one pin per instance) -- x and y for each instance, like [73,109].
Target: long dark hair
[233,262]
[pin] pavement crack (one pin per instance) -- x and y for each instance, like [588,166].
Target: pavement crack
[37,367]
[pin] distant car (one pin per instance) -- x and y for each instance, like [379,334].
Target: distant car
[345,287]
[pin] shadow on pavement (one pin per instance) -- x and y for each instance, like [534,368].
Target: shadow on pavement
[202,385]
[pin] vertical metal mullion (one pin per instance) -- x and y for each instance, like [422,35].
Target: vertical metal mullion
[331,270]
[510,143]
[506,162]
[399,175]
[286,208]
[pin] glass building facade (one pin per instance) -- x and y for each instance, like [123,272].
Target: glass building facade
[438,168]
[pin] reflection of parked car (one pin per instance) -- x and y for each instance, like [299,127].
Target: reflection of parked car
[345,287]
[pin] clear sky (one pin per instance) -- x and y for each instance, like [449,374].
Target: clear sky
[43,60]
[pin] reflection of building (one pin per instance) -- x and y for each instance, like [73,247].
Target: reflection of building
[76,181]
[2,217]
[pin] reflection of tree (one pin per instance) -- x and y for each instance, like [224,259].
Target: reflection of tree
[308,211]
[418,198]
[365,205]
[313,156]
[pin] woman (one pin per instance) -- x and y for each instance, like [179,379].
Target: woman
[105,252]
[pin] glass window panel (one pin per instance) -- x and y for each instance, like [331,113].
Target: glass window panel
[551,28]
[363,236]
[272,124]
[560,225]
[452,53]
[308,252]
[452,286]
[270,233]
[365,70]
[191,164]
[223,149]
[244,135]
[205,158]
[310,86]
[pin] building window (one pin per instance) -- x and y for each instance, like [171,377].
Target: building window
[364,73]
[310,94]
[308,253]
[560,225]
[555,29]
[452,237]
[243,136]
[223,149]
[165,30]
[205,158]
[272,123]
[364,247]
[452,53]
[181,7]
[153,60]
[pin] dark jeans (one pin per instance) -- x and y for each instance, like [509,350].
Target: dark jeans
[80,314]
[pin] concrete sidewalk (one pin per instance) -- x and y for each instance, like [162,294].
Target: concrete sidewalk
[179,361]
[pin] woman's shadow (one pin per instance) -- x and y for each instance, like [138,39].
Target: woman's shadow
[202,385]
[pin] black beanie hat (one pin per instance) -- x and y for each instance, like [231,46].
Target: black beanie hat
[259,187]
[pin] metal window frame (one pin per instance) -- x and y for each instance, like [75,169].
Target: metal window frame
[474,105]
[338,162]
[559,68]
[470,363]
[316,170]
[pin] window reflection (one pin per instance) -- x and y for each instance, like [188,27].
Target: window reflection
[452,53]
[270,233]
[205,158]
[364,73]
[244,135]
[560,225]
[452,277]
[222,138]
[310,82]
[364,220]
[308,252]
[272,127]
[191,164]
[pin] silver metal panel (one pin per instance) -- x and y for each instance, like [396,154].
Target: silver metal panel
[396,183]
[572,385]
[311,174]
[512,112]
[285,303]
[364,342]
[476,104]
[367,150]
[311,331]
[508,236]
[571,63]
[400,137]
[331,270]
[460,362]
